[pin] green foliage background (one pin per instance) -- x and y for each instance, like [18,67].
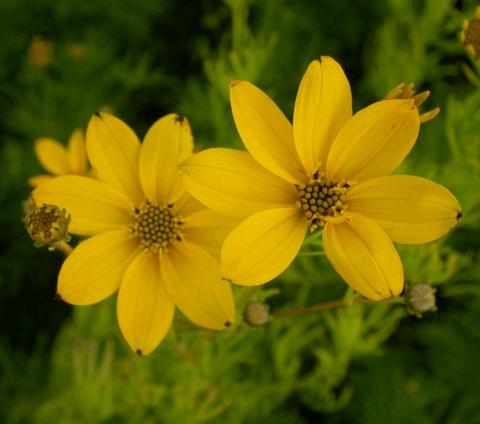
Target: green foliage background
[145,58]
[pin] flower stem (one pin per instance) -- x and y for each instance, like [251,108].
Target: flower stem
[312,254]
[339,303]
[64,247]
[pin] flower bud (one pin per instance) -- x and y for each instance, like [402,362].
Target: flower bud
[256,314]
[47,225]
[420,298]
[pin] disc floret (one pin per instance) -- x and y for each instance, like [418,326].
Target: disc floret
[157,227]
[321,200]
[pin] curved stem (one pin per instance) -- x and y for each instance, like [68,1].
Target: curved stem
[64,247]
[339,303]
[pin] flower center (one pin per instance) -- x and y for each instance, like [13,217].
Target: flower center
[321,200]
[471,37]
[157,227]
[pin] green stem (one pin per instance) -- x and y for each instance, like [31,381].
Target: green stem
[312,254]
[64,247]
[339,303]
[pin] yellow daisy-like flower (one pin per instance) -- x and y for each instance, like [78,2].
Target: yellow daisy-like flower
[150,240]
[329,170]
[58,160]
[470,34]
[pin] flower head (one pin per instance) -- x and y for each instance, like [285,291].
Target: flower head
[58,160]
[149,239]
[47,225]
[328,171]
[470,34]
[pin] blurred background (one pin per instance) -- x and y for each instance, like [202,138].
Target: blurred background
[60,61]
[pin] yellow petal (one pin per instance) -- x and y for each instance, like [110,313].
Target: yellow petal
[94,207]
[193,278]
[113,150]
[374,141]
[52,155]
[166,144]
[77,153]
[233,183]
[36,180]
[410,209]
[187,205]
[262,246]
[208,229]
[144,309]
[94,270]
[363,254]
[265,131]
[322,106]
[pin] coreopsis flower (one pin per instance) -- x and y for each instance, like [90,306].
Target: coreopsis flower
[470,34]
[329,172]
[148,238]
[60,160]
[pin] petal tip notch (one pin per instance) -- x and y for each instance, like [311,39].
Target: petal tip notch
[180,119]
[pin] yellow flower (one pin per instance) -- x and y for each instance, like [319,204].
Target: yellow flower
[470,34]
[326,171]
[150,240]
[58,160]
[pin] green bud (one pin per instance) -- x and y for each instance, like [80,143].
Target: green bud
[256,314]
[420,298]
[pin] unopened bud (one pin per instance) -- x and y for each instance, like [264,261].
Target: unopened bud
[47,225]
[256,314]
[420,298]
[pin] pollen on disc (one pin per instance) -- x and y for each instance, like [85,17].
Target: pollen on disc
[157,227]
[321,198]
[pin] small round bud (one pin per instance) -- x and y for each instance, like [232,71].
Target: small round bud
[47,225]
[420,298]
[256,314]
